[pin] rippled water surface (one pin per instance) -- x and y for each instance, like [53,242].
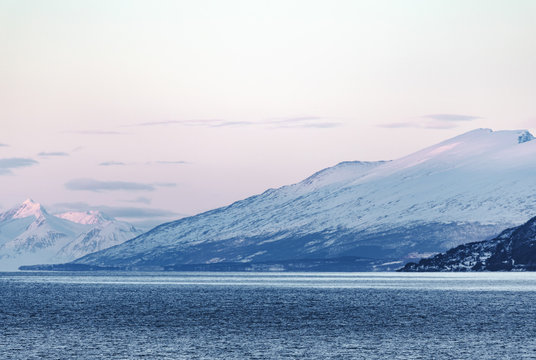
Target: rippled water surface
[267,315]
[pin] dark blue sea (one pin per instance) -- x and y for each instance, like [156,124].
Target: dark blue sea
[267,316]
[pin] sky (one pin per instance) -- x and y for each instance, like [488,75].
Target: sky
[154,110]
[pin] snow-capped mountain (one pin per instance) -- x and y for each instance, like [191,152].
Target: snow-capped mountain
[26,209]
[29,235]
[90,217]
[464,189]
[513,250]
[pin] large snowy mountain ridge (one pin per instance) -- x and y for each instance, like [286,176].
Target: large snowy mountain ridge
[29,235]
[464,189]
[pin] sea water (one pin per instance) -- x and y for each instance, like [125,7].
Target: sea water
[108,315]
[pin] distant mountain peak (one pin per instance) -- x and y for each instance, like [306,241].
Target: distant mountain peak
[89,217]
[28,233]
[26,209]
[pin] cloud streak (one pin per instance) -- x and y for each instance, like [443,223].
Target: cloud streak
[11,163]
[141,200]
[95,132]
[100,186]
[164,162]
[119,211]
[451,117]
[158,162]
[3,145]
[432,121]
[399,125]
[418,125]
[279,123]
[136,212]
[201,122]
[53,153]
[317,122]
[112,163]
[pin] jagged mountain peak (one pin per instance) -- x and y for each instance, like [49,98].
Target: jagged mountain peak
[29,208]
[25,209]
[28,233]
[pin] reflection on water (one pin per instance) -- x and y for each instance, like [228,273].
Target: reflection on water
[513,281]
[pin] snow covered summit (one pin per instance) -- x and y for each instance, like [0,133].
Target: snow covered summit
[90,217]
[27,208]
[29,235]
[463,189]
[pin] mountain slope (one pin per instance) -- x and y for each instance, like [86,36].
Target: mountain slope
[514,249]
[464,189]
[29,234]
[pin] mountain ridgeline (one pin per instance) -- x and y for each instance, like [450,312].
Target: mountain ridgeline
[373,215]
[29,235]
[513,250]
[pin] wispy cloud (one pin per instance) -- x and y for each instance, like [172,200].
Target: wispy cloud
[118,211]
[232,123]
[172,162]
[53,153]
[440,125]
[290,122]
[135,212]
[399,125]
[141,200]
[99,186]
[201,122]
[158,162]
[158,123]
[419,125]
[95,132]
[322,125]
[432,121]
[451,117]
[11,163]
[3,145]
[303,122]
[112,163]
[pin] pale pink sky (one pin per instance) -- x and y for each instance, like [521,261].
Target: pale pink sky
[175,107]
